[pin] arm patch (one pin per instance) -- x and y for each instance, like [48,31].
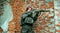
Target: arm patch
[29,20]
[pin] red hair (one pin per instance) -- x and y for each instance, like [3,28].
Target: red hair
[28,8]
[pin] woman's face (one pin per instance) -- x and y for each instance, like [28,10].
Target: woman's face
[29,9]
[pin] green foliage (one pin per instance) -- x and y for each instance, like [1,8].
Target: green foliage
[5,1]
[1,9]
[1,1]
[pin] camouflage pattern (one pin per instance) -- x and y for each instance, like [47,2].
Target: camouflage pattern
[28,19]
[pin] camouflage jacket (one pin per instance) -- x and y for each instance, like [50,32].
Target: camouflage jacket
[29,17]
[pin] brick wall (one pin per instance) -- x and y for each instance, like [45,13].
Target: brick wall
[17,9]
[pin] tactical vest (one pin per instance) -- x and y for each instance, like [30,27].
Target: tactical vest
[29,17]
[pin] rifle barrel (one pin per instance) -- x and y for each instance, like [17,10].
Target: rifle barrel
[44,10]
